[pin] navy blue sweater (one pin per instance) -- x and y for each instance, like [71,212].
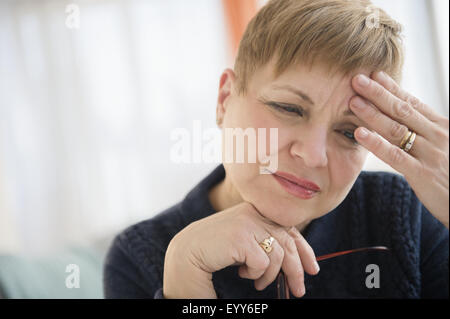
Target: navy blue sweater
[380,210]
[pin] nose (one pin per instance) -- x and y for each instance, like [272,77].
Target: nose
[311,147]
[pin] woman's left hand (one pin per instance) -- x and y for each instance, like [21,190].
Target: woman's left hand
[391,112]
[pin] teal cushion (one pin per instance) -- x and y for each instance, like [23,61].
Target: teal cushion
[45,277]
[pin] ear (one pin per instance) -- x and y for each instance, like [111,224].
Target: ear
[227,80]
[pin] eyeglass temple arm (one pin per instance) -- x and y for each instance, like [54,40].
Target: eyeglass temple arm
[283,288]
[345,252]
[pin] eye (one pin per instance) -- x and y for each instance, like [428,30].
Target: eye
[350,135]
[286,108]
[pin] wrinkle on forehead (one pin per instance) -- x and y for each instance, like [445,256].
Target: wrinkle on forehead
[340,94]
[327,91]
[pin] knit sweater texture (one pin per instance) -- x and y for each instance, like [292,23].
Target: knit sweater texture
[381,209]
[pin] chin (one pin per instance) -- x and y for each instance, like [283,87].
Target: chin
[286,215]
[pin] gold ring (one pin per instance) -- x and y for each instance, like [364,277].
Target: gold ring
[266,244]
[405,138]
[408,141]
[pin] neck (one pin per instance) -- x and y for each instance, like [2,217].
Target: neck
[224,195]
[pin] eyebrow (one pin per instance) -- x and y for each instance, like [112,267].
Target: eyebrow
[348,112]
[305,97]
[296,91]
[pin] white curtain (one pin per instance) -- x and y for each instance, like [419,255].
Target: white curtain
[86,113]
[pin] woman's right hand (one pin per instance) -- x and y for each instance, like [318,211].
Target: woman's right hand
[232,237]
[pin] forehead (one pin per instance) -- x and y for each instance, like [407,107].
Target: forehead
[319,84]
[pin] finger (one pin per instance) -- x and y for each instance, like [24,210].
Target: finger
[393,106]
[292,264]
[389,84]
[388,153]
[256,261]
[306,253]
[389,129]
[276,257]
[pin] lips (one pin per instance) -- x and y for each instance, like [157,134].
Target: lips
[298,187]
[302,182]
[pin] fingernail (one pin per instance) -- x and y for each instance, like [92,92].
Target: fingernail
[383,75]
[302,291]
[363,80]
[317,266]
[363,132]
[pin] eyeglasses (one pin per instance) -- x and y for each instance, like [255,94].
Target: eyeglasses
[282,285]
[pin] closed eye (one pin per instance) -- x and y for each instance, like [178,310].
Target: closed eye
[295,110]
[350,135]
[283,108]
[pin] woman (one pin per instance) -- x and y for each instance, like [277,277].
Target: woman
[326,79]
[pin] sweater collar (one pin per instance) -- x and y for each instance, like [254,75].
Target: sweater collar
[196,204]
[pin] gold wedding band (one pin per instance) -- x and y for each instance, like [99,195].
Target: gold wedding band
[405,139]
[408,141]
[266,244]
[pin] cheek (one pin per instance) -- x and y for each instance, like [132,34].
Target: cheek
[253,115]
[257,116]
[243,114]
[344,168]
[246,115]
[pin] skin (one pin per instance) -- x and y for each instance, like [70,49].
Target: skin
[251,206]
[317,146]
[312,147]
[382,109]
[390,112]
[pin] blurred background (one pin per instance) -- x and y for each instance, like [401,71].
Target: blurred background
[90,91]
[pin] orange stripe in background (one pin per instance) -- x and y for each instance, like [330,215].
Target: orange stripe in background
[238,14]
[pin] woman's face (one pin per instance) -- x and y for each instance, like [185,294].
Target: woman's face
[315,139]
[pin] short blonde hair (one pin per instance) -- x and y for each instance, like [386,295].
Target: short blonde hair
[344,35]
